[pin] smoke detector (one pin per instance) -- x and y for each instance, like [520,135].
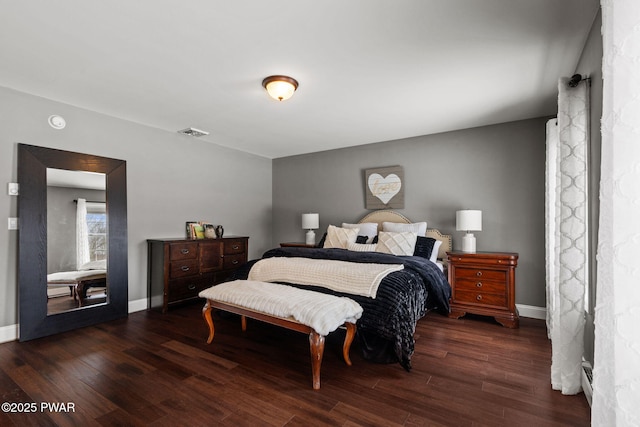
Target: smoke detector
[193,132]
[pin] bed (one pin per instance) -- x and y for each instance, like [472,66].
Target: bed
[402,297]
[90,275]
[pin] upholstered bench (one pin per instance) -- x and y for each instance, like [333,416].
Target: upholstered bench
[300,310]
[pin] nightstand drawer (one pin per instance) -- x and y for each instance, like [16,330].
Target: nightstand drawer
[183,268]
[178,251]
[478,273]
[481,298]
[480,285]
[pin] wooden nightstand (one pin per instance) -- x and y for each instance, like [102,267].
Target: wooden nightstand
[484,283]
[296,245]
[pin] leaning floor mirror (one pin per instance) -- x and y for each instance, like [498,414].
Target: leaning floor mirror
[72,241]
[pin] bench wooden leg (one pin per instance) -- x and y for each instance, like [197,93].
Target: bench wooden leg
[243,322]
[348,339]
[206,313]
[316,342]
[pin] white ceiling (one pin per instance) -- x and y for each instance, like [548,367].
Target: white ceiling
[369,70]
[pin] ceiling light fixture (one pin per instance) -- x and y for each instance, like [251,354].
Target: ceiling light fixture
[280,88]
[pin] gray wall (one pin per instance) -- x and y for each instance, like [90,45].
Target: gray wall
[498,169]
[590,65]
[171,178]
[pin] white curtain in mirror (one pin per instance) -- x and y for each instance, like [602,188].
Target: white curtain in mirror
[83,254]
[566,234]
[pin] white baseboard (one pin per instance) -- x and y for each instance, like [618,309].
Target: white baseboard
[138,305]
[532,311]
[10,333]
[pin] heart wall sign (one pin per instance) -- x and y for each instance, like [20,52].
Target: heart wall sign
[384,188]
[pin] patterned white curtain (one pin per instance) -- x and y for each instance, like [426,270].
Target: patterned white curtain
[616,370]
[566,234]
[83,255]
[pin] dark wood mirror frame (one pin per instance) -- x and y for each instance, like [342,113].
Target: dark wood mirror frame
[33,162]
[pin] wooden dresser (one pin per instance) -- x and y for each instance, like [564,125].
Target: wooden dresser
[484,283]
[178,269]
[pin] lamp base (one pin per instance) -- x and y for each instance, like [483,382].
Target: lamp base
[468,243]
[311,238]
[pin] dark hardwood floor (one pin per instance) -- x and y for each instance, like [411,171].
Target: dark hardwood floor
[155,370]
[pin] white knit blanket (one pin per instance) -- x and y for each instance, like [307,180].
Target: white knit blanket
[324,313]
[340,276]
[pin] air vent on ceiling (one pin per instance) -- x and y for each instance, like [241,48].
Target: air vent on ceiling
[193,132]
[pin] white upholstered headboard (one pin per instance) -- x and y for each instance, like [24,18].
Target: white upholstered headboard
[392,216]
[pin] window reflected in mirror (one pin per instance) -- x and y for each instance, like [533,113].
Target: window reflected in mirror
[76,240]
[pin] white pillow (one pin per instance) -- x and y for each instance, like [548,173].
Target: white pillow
[397,243]
[362,247]
[94,265]
[420,228]
[434,251]
[369,229]
[340,237]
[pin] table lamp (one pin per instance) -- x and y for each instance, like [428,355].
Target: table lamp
[310,221]
[469,220]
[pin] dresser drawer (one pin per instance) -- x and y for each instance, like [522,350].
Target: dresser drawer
[480,298]
[481,273]
[178,251]
[182,289]
[234,247]
[183,268]
[232,261]
[480,285]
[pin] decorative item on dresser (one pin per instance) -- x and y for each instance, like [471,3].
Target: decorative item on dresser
[484,283]
[180,268]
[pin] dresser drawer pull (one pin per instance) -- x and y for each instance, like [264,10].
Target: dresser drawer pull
[479,274]
[235,247]
[479,285]
[235,261]
[184,251]
[191,286]
[185,268]
[479,297]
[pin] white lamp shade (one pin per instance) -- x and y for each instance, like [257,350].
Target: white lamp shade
[310,221]
[469,220]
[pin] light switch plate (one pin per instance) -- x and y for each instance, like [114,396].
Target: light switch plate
[13,189]
[13,223]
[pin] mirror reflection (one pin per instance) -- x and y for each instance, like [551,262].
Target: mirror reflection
[76,240]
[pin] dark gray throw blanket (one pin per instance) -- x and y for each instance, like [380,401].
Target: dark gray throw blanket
[387,325]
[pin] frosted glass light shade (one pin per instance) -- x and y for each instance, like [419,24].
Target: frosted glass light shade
[280,88]
[469,220]
[310,221]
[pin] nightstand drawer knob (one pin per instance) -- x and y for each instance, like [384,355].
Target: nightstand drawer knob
[184,268]
[184,251]
[479,274]
[235,247]
[191,286]
[479,297]
[479,285]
